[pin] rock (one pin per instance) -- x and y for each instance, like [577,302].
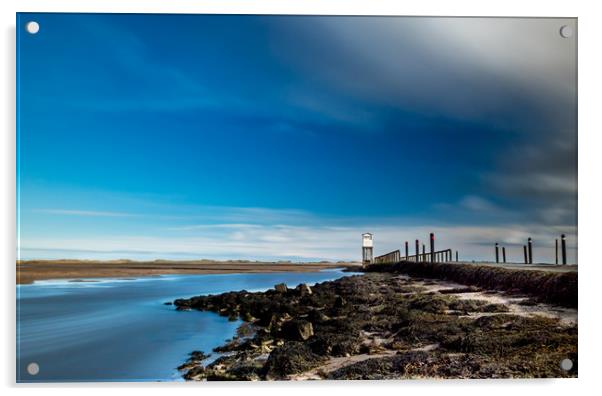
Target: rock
[266,346]
[181,302]
[187,366]
[373,313]
[247,317]
[168,303]
[297,330]
[335,344]
[304,289]
[276,322]
[193,366]
[292,357]
[198,355]
[195,373]
[317,316]
[381,368]
[281,288]
[236,370]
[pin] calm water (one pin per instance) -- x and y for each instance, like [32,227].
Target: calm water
[120,330]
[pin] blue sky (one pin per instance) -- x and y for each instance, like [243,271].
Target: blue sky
[263,137]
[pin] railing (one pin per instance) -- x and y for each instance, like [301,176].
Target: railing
[437,257]
[395,257]
[432,256]
[391,257]
[447,255]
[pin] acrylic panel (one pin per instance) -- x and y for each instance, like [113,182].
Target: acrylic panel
[280,197]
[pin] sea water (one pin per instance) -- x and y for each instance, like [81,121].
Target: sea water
[120,329]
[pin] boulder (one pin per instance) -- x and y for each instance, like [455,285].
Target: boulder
[180,302]
[317,316]
[198,355]
[281,288]
[276,322]
[335,344]
[339,302]
[247,317]
[304,289]
[195,373]
[293,357]
[297,330]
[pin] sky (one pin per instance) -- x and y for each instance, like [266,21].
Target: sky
[287,137]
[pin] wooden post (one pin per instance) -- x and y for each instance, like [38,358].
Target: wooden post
[563,239]
[432,237]
[406,250]
[497,253]
[504,254]
[556,240]
[457,256]
[417,249]
[423,252]
[530,243]
[525,251]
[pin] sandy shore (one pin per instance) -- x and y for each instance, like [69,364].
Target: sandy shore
[29,271]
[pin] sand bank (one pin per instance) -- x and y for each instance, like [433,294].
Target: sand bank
[29,271]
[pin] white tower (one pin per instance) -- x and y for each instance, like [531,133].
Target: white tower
[367,248]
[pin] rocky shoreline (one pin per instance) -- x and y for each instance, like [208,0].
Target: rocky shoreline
[385,326]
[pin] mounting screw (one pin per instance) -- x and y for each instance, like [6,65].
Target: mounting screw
[32,27]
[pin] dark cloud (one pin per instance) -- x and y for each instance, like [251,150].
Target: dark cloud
[511,72]
[515,78]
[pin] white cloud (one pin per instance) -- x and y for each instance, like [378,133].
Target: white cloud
[478,204]
[195,231]
[308,243]
[212,226]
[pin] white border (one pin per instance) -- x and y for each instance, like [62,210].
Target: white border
[590,151]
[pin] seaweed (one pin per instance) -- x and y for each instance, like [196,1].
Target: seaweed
[549,287]
[292,331]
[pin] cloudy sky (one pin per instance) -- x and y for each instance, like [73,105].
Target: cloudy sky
[266,137]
